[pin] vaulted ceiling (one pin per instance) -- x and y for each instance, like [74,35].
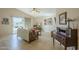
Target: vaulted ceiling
[43,12]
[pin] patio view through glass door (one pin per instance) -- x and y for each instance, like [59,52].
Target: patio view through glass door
[17,23]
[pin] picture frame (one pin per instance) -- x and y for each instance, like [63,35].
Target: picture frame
[5,21]
[45,22]
[62,18]
[50,21]
[55,19]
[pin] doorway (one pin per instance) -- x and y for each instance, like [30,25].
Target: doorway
[17,23]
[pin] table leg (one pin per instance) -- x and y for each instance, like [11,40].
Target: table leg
[53,41]
[76,47]
[65,47]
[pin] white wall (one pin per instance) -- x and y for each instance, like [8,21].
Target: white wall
[9,12]
[72,13]
[40,20]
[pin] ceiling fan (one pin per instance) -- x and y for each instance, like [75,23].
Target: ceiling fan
[35,10]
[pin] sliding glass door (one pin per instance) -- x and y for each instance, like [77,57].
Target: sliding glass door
[18,22]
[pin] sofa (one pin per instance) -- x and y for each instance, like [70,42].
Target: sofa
[27,35]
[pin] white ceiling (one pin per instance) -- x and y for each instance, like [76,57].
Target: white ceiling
[43,11]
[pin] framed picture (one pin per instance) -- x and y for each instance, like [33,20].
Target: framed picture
[45,22]
[5,21]
[62,18]
[50,21]
[55,19]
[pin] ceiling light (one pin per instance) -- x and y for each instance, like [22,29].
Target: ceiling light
[35,10]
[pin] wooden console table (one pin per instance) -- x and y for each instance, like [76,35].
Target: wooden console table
[68,37]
